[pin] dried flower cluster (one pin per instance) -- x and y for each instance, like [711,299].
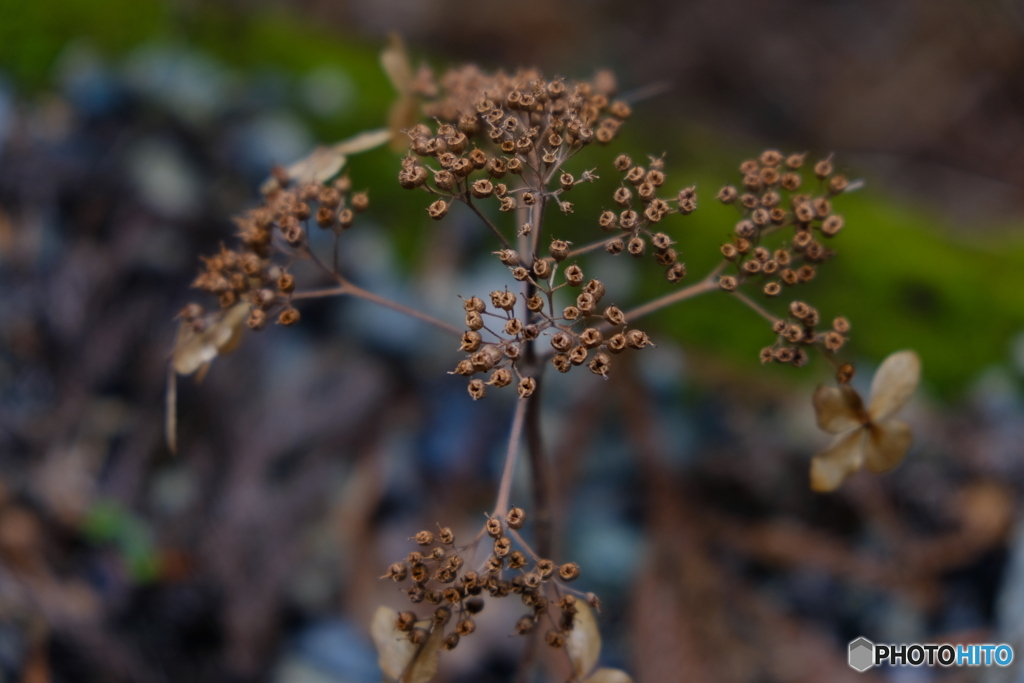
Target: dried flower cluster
[771,204]
[500,144]
[439,577]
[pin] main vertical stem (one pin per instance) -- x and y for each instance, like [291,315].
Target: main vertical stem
[540,475]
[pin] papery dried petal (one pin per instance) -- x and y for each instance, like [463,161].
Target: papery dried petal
[394,649]
[194,349]
[838,409]
[886,445]
[834,464]
[583,642]
[606,675]
[893,384]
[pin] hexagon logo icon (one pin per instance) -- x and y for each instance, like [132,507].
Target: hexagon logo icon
[862,654]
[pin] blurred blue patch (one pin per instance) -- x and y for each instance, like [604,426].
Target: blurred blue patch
[330,650]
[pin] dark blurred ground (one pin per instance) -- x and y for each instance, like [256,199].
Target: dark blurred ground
[130,133]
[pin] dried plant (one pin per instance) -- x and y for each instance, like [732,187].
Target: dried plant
[510,142]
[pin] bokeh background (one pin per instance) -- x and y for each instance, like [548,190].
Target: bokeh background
[132,130]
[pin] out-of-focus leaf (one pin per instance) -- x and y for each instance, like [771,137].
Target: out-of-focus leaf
[583,642]
[893,384]
[606,675]
[363,142]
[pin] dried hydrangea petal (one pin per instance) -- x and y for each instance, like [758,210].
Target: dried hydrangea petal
[886,445]
[583,642]
[893,384]
[397,655]
[838,409]
[834,464]
[606,675]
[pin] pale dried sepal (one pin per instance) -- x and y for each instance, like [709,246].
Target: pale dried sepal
[606,675]
[193,349]
[322,164]
[844,457]
[394,649]
[893,384]
[838,409]
[886,445]
[424,666]
[363,142]
[395,61]
[583,642]
[404,112]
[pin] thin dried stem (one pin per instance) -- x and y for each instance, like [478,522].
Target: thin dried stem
[756,307]
[360,293]
[505,487]
[708,284]
[485,219]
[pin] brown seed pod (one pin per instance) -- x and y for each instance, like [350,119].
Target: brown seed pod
[515,518]
[288,317]
[676,272]
[476,388]
[601,364]
[527,386]
[494,528]
[574,275]
[561,362]
[438,209]
[569,571]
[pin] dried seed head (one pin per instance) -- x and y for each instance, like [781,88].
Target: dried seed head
[493,527]
[622,196]
[502,546]
[574,276]
[438,209]
[841,325]
[728,194]
[615,246]
[727,283]
[513,327]
[661,241]
[477,389]
[527,386]
[834,341]
[562,341]
[397,572]
[482,188]
[474,321]
[535,303]
[587,303]
[614,316]
[601,364]
[591,338]
[561,362]
[424,538]
[451,641]
[257,319]
[772,289]
[636,246]
[571,313]
[832,225]
[676,272]
[446,536]
[555,639]
[729,251]
[637,339]
[470,341]
[823,168]
[288,317]
[622,162]
[845,373]
[577,355]
[608,220]
[524,625]
[542,268]
[515,518]
[501,377]
[465,627]
[569,571]
[766,355]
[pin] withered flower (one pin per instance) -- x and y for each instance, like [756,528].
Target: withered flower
[865,435]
